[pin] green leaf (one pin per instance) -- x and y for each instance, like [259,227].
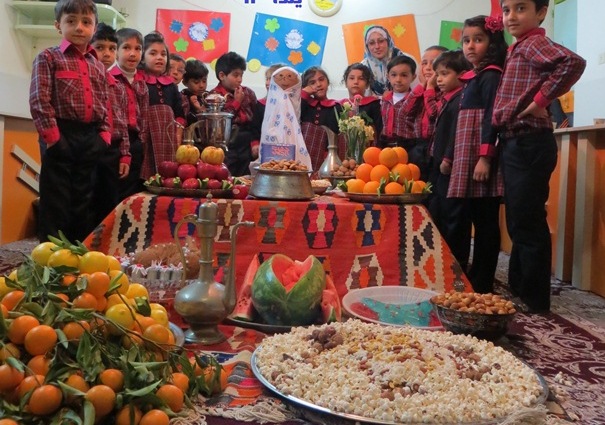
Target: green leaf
[142,391]
[89,413]
[88,357]
[16,363]
[142,306]
[69,390]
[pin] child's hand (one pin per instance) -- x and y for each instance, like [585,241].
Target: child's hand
[195,103]
[254,150]
[445,168]
[123,170]
[534,110]
[481,173]
[309,90]
[432,82]
[238,94]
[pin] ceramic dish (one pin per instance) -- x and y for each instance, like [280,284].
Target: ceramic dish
[179,335]
[393,305]
[405,198]
[190,193]
[261,327]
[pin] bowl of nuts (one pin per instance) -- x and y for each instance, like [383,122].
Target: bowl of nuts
[282,180]
[485,316]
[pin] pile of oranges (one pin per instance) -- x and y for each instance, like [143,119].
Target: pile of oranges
[386,171]
[78,338]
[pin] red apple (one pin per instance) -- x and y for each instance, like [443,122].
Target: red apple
[171,182]
[205,171]
[240,191]
[168,168]
[187,171]
[215,184]
[221,172]
[192,183]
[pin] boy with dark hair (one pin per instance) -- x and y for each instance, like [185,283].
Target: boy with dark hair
[241,103]
[68,103]
[177,67]
[114,164]
[195,80]
[537,71]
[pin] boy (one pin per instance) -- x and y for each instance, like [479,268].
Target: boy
[537,71]
[177,68]
[68,102]
[195,80]
[448,213]
[114,164]
[130,49]
[241,103]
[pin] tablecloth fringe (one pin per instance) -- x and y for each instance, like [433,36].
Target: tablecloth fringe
[264,411]
[195,416]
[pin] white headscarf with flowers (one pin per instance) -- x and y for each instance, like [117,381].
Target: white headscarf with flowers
[379,66]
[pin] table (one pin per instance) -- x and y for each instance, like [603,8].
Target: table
[359,244]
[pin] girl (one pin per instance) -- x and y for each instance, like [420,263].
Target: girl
[474,172]
[165,116]
[357,79]
[316,111]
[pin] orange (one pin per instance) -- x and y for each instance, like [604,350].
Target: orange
[97,283]
[4,311]
[137,290]
[160,316]
[63,257]
[402,172]
[85,300]
[418,186]
[221,383]
[371,187]
[172,396]
[101,304]
[38,365]
[4,288]
[28,384]
[45,400]
[120,314]
[144,322]
[41,253]
[129,339]
[380,172]
[371,156]
[13,298]
[157,333]
[8,422]
[388,157]
[155,417]
[93,261]
[74,330]
[402,154]
[355,185]
[102,398]
[129,415]
[113,378]
[415,170]
[65,299]
[393,188]
[114,299]
[68,279]
[40,340]
[9,377]
[363,172]
[9,350]
[20,327]
[77,382]
[113,262]
[181,380]
[117,276]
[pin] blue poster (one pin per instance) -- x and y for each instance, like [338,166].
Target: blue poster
[295,43]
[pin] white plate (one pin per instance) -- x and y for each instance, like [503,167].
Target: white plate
[392,296]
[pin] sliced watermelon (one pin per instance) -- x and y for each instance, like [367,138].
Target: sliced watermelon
[331,310]
[244,310]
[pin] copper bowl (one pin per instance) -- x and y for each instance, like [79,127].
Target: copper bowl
[282,185]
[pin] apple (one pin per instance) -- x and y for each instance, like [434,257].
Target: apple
[171,182]
[192,183]
[215,184]
[240,191]
[187,154]
[205,170]
[168,168]
[221,172]
[213,155]
[187,171]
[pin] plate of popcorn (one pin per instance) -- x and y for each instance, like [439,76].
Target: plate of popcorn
[359,372]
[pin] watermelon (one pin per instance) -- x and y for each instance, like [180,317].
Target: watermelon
[330,303]
[287,292]
[244,310]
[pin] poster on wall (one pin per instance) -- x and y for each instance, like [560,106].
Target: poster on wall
[295,43]
[402,30]
[193,34]
[450,35]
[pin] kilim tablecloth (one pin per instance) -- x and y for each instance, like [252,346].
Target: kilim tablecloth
[359,244]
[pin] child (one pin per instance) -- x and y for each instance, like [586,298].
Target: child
[241,102]
[125,71]
[114,164]
[357,78]
[177,68]
[475,175]
[165,117]
[316,110]
[448,213]
[68,103]
[537,71]
[195,80]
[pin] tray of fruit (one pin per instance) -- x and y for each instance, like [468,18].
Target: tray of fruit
[189,193]
[382,198]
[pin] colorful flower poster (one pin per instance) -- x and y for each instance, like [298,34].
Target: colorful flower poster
[295,43]
[193,34]
[402,30]
[450,36]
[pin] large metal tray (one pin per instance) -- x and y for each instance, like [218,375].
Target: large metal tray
[405,198]
[324,415]
[190,193]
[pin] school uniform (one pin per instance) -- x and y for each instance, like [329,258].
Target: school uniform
[537,69]
[68,103]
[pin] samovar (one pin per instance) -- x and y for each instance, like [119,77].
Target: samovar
[213,127]
[204,303]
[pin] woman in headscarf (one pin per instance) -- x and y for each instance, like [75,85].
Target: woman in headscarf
[379,50]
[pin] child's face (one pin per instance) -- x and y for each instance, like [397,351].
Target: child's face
[426,66]
[474,44]
[232,80]
[129,54]
[197,85]
[177,70]
[155,58]
[77,28]
[447,79]
[106,52]
[401,77]
[356,83]
[521,16]
[319,84]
